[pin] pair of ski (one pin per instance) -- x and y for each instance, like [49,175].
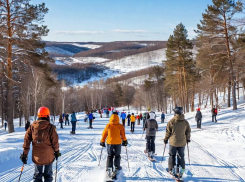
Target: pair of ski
[151,158]
[176,177]
[111,175]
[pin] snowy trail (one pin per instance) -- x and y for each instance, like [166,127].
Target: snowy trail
[216,152]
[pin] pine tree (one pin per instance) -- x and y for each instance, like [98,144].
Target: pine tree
[20,30]
[217,26]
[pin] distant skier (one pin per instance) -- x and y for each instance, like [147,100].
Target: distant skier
[27,125]
[67,119]
[73,123]
[5,125]
[151,128]
[61,121]
[132,119]
[138,119]
[45,145]
[114,132]
[214,114]
[162,117]
[144,118]
[90,117]
[128,117]
[198,118]
[178,132]
[86,117]
[123,116]
[107,113]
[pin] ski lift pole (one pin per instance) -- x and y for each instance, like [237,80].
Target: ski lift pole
[100,155]
[22,168]
[163,152]
[127,157]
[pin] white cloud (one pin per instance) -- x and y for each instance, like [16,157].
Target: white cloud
[129,31]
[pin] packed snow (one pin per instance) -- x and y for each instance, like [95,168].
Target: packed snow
[216,151]
[90,46]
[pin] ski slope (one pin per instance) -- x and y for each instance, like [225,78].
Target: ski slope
[216,152]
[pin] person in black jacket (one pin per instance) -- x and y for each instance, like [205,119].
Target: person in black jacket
[128,117]
[27,125]
[199,118]
[67,119]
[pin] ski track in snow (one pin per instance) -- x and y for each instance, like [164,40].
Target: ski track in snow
[216,152]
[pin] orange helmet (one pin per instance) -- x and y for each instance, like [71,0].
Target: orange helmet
[43,112]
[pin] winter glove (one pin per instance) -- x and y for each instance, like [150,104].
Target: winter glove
[165,141]
[102,144]
[23,158]
[188,141]
[57,154]
[125,143]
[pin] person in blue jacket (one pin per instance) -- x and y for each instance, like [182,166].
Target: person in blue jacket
[162,117]
[123,116]
[90,117]
[73,122]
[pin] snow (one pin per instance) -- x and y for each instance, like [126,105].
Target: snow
[216,152]
[90,46]
[58,50]
[83,60]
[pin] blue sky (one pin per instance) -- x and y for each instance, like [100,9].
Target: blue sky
[120,20]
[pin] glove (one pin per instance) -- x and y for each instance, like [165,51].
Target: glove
[102,144]
[188,141]
[125,143]
[165,141]
[23,158]
[57,154]
[144,129]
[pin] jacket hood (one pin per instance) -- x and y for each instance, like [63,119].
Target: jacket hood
[180,117]
[40,124]
[152,115]
[114,119]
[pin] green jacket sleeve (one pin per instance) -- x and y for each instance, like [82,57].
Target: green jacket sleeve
[168,130]
[188,131]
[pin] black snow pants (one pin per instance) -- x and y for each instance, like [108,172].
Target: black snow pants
[199,123]
[128,121]
[180,151]
[114,152]
[214,118]
[47,173]
[150,143]
[90,123]
[123,122]
[132,126]
[67,121]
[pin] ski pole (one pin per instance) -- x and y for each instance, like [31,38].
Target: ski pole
[143,133]
[127,157]
[22,168]
[163,152]
[56,169]
[188,155]
[100,155]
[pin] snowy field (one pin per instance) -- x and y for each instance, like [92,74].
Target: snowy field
[216,152]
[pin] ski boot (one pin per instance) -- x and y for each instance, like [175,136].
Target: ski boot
[182,171]
[109,172]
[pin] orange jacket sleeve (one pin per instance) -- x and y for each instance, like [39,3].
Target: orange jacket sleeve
[27,141]
[122,133]
[105,133]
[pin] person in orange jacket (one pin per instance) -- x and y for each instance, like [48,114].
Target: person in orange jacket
[138,119]
[115,134]
[132,119]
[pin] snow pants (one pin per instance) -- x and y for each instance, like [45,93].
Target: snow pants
[214,118]
[47,173]
[162,120]
[180,151]
[73,123]
[150,143]
[90,123]
[114,152]
[199,123]
[123,122]
[5,126]
[138,121]
[67,121]
[61,124]
[128,121]
[132,126]
[144,122]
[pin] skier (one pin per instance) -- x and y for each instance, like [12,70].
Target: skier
[27,125]
[214,114]
[67,119]
[138,119]
[90,117]
[198,118]
[45,147]
[123,116]
[178,132]
[128,117]
[151,127]
[86,117]
[73,123]
[107,113]
[132,119]
[115,134]
[144,118]
[162,117]
[61,121]
[5,125]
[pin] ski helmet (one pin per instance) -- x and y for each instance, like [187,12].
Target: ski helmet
[43,112]
[178,110]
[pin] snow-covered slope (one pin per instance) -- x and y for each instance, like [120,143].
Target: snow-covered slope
[216,152]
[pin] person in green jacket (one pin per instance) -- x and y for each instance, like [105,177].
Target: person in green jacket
[178,132]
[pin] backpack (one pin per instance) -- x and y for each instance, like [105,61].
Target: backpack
[215,111]
[41,136]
